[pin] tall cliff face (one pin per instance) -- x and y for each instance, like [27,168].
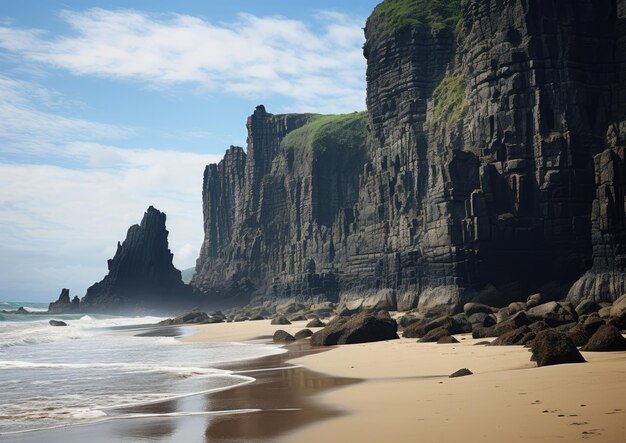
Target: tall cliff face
[472,180]
[141,274]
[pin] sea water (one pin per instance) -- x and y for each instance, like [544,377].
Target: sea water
[60,376]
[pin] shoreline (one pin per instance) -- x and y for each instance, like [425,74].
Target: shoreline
[278,400]
[390,390]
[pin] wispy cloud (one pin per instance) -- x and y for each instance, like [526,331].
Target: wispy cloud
[320,68]
[30,122]
[60,220]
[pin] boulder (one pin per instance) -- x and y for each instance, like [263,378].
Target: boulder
[483,332]
[191,317]
[448,339]
[315,323]
[517,306]
[518,320]
[618,309]
[298,317]
[476,308]
[414,330]
[360,328]
[406,320]
[553,313]
[280,320]
[587,307]
[606,339]
[482,319]
[383,299]
[604,312]
[538,326]
[578,335]
[460,373]
[533,300]
[551,347]
[434,335]
[57,323]
[281,336]
[304,333]
[592,324]
[514,337]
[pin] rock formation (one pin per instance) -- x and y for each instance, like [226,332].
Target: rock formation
[141,274]
[471,177]
[63,304]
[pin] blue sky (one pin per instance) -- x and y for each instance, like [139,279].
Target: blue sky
[109,107]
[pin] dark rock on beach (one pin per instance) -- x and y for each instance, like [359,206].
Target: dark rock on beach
[554,348]
[606,339]
[281,320]
[304,333]
[281,336]
[192,317]
[461,373]
[315,323]
[448,339]
[360,328]
[57,323]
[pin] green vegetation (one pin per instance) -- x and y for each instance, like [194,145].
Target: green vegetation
[393,16]
[450,102]
[324,131]
[506,217]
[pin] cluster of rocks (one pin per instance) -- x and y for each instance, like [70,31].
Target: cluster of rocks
[553,330]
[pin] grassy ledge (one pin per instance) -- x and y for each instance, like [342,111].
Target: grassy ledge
[449,101]
[392,16]
[329,131]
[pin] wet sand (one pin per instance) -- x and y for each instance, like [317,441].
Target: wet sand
[280,400]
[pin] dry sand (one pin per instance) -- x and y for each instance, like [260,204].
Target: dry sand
[407,395]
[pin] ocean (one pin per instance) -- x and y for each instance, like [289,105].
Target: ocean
[93,368]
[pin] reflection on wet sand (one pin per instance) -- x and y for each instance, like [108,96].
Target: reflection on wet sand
[280,400]
[284,397]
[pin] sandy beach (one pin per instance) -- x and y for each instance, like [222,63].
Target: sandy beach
[406,394]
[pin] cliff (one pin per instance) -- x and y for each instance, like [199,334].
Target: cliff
[470,177]
[141,275]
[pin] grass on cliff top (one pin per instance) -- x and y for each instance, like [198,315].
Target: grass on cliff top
[393,16]
[323,131]
[449,101]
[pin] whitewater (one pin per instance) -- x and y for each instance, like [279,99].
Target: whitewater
[93,368]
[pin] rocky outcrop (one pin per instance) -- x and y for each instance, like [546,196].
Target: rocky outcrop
[470,178]
[141,274]
[63,304]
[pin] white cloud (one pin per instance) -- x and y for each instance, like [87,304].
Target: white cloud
[55,220]
[59,224]
[26,128]
[320,68]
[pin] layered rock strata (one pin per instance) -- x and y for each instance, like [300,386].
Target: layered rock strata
[471,177]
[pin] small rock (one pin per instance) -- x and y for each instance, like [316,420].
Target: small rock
[434,335]
[281,336]
[57,323]
[304,333]
[315,323]
[533,300]
[448,339]
[461,373]
[281,320]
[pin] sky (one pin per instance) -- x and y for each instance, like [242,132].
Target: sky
[107,108]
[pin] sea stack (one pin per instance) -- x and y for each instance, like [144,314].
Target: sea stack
[63,304]
[141,274]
